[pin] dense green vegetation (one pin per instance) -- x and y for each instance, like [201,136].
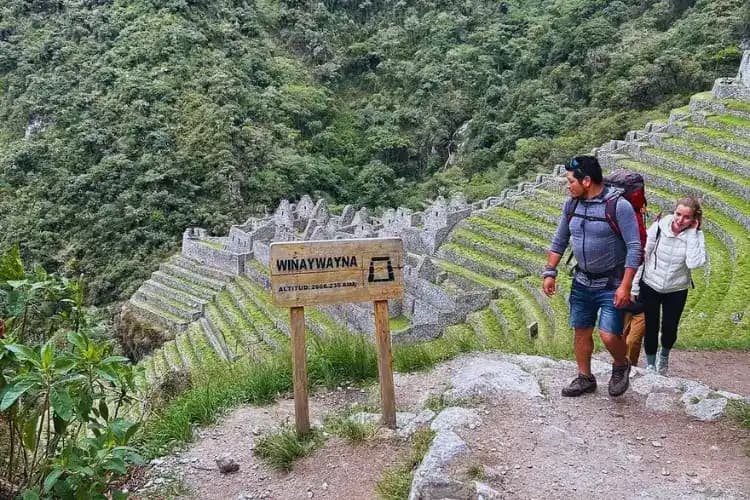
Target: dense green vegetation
[64,396]
[122,123]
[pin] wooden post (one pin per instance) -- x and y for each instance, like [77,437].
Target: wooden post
[299,370]
[385,363]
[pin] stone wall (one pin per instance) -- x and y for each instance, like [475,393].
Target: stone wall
[207,251]
[735,88]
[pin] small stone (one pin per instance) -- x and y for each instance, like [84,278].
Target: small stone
[665,472]
[639,438]
[227,465]
[656,444]
[517,467]
[691,474]
[310,494]
[604,471]
[664,436]
[324,487]
[156,461]
[714,448]
[695,480]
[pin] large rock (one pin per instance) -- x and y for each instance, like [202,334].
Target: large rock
[663,394]
[452,418]
[651,383]
[430,480]
[483,377]
[703,403]
[662,402]
[410,427]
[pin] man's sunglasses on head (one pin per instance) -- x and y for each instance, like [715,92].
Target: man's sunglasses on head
[575,166]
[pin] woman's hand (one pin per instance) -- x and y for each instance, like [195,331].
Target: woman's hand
[696,224]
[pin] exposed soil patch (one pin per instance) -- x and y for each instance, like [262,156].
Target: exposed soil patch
[725,370]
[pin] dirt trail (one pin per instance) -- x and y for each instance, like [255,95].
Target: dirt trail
[555,447]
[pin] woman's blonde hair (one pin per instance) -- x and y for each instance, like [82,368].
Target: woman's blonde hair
[693,204]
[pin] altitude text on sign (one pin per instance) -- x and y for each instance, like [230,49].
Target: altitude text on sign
[333,271]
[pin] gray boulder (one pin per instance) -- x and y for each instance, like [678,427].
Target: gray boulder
[430,480]
[452,418]
[485,378]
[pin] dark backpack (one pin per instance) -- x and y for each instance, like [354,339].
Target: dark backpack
[632,188]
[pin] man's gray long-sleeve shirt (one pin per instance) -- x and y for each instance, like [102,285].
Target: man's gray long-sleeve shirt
[596,247]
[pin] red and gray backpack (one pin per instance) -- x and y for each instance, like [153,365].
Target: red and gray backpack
[632,188]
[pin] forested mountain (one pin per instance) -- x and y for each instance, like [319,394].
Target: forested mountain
[124,122]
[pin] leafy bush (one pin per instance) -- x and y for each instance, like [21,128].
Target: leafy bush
[62,392]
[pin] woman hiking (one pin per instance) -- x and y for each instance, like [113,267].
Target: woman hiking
[674,245]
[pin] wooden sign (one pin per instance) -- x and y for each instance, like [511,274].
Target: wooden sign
[332,271]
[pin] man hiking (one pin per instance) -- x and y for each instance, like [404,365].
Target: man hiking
[607,247]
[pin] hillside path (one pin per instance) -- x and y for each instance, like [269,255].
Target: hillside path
[526,447]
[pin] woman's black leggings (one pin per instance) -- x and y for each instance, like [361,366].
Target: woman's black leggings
[667,305]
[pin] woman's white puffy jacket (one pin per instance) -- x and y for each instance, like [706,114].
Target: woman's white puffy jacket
[669,259]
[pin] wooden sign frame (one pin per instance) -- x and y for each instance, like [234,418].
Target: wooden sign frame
[305,273]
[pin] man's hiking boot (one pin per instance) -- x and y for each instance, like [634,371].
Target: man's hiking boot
[663,367]
[581,384]
[651,368]
[620,380]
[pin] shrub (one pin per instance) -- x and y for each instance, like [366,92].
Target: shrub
[281,449]
[62,391]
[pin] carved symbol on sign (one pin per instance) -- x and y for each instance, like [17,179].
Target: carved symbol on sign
[381,269]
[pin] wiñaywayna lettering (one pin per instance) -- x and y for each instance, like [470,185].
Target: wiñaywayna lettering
[316,263]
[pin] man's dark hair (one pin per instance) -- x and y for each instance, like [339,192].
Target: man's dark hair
[585,166]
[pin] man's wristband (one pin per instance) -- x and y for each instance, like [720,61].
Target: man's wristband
[549,272]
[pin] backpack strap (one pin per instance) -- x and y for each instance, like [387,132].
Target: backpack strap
[570,208]
[656,241]
[610,213]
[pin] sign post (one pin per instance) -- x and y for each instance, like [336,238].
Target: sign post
[330,272]
[299,369]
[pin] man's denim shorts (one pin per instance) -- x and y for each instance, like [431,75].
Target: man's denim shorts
[586,302]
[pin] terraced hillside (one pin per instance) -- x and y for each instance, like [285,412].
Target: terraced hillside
[497,252]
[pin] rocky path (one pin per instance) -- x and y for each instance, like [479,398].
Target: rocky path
[504,432]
